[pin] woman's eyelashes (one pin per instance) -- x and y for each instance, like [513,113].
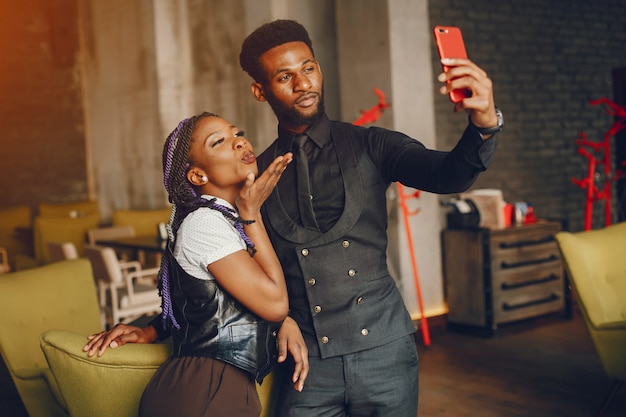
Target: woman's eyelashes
[238,134]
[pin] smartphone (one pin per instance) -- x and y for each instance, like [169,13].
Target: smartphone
[450,44]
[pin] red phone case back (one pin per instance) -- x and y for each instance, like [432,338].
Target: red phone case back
[449,41]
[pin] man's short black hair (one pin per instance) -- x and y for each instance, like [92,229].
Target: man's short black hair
[267,37]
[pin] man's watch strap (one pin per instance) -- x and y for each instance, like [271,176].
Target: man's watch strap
[486,131]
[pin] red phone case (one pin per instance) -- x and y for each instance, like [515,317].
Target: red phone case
[450,44]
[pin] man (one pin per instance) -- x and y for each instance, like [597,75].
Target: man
[344,304]
[348,334]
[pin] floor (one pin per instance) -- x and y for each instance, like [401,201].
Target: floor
[544,367]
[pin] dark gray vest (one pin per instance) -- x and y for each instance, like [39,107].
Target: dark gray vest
[340,290]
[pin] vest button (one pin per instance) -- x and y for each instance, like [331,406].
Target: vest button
[364,332]
[324,339]
[304,252]
[345,243]
[311,281]
[352,272]
[317,309]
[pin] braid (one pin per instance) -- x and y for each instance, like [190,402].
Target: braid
[182,196]
[185,200]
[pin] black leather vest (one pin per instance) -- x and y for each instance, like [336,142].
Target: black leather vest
[214,324]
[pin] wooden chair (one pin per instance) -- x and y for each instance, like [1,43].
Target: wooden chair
[4,261]
[95,236]
[126,291]
[61,251]
[106,233]
[145,223]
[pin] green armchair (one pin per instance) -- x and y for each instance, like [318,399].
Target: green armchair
[596,265]
[58,295]
[46,314]
[110,385]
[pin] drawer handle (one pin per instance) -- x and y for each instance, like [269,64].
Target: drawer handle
[552,297]
[506,265]
[505,245]
[551,277]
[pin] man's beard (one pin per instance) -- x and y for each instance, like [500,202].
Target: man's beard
[290,115]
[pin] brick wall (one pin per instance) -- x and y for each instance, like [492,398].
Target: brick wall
[42,157]
[547,59]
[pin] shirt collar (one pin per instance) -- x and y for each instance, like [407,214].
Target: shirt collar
[219,201]
[319,132]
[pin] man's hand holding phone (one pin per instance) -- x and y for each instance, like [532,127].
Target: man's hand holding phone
[467,85]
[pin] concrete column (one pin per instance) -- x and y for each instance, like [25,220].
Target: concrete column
[120,99]
[387,44]
[317,16]
[174,66]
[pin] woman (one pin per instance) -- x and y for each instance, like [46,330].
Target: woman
[222,286]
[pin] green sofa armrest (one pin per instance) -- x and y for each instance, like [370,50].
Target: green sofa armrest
[110,385]
[614,325]
[30,373]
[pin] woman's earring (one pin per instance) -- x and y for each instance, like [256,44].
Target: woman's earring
[204,178]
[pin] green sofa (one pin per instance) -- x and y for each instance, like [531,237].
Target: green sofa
[595,262]
[58,295]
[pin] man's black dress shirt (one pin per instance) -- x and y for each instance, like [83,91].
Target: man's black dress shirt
[397,156]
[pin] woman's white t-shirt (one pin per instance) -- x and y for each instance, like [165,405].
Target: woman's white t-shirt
[204,237]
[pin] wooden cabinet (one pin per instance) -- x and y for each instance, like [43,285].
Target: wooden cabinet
[499,276]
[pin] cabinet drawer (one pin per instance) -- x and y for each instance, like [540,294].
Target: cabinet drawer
[526,258]
[524,278]
[510,242]
[529,301]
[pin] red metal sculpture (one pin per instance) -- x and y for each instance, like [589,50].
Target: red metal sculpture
[371,116]
[598,185]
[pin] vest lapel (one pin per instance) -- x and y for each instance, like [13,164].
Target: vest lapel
[347,157]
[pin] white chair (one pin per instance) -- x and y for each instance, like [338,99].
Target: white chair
[4,261]
[95,236]
[108,233]
[126,291]
[60,251]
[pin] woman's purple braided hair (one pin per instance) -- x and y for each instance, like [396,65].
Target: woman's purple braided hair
[185,200]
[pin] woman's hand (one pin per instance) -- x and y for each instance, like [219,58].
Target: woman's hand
[290,340]
[255,191]
[118,336]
